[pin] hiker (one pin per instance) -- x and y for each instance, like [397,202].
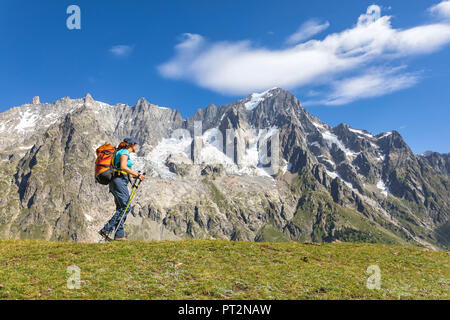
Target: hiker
[119,188]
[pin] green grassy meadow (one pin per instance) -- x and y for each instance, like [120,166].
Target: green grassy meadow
[216,269]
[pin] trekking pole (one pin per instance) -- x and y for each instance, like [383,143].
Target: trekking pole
[133,192]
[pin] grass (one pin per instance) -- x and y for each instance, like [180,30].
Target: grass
[216,269]
[269,233]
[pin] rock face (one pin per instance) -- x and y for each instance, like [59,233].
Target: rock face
[439,162]
[259,169]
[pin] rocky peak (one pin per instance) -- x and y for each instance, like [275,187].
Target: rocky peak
[427,153]
[439,162]
[198,115]
[141,104]
[392,141]
[342,127]
[88,98]
[254,100]
[273,108]
[211,109]
[63,100]
[355,139]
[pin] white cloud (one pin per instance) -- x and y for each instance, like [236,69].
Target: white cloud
[441,9]
[307,30]
[372,83]
[241,67]
[121,50]
[186,52]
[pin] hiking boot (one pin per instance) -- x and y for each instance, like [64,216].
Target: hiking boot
[105,235]
[121,239]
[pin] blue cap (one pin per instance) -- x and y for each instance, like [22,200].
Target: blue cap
[130,140]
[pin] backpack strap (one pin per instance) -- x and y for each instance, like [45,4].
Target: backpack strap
[114,158]
[119,172]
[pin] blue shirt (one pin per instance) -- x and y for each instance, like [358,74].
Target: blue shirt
[117,158]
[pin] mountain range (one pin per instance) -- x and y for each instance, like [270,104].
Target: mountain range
[313,183]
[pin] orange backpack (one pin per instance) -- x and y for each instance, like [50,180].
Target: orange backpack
[104,165]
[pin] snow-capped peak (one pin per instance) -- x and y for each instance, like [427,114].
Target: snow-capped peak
[257,98]
[385,135]
[360,132]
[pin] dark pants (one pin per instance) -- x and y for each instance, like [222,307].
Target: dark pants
[119,188]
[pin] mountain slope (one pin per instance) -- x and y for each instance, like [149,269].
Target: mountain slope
[261,168]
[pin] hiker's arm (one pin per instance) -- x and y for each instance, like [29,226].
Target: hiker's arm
[124,167]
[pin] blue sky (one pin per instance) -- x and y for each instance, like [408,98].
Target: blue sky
[376,65]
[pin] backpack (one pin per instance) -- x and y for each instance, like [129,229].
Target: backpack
[104,165]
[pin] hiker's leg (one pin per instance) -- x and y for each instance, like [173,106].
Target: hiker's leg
[120,232]
[119,189]
[109,226]
[123,196]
